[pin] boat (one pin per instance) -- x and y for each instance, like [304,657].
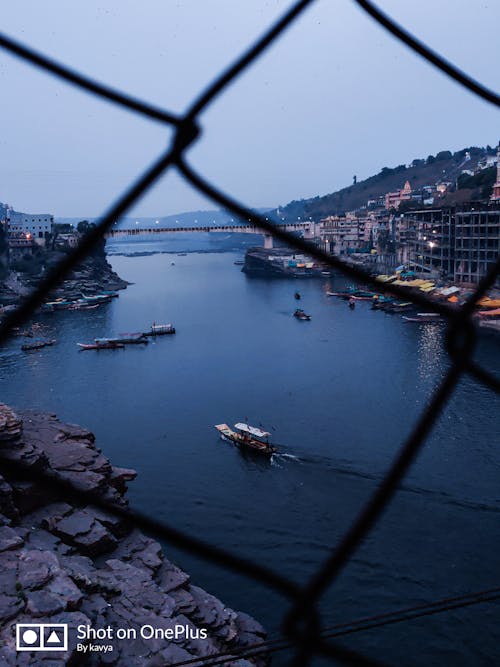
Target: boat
[37,344]
[352,303]
[129,338]
[247,437]
[160,330]
[81,304]
[239,262]
[300,315]
[297,295]
[97,298]
[101,344]
[341,295]
[434,318]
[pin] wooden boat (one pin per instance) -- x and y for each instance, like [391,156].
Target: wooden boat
[81,304]
[97,298]
[130,338]
[239,262]
[429,318]
[101,345]
[160,330]
[300,315]
[341,295]
[37,344]
[297,296]
[247,437]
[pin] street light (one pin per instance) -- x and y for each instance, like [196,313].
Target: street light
[431,246]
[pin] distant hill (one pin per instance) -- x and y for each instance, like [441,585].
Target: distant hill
[445,166]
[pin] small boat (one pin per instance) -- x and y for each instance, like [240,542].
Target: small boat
[434,318]
[101,344]
[82,304]
[247,437]
[352,303]
[97,298]
[160,330]
[341,295]
[37,344]
[239,262]
[297,296]
[300,315]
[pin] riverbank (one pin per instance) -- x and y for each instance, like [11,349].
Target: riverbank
[76,565]
[92,276]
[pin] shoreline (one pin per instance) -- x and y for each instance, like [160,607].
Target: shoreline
[62,563]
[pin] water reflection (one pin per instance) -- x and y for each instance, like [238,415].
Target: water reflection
[431,353]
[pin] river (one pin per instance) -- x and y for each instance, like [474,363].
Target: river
[339,393]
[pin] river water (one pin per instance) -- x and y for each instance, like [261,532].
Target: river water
[339,394]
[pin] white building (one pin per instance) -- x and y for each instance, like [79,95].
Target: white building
[38,225]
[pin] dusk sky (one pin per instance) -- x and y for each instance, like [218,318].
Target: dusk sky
[336,96]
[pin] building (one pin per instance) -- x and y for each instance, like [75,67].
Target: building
[495,195]
[459,244]
[394,199]
[429,239]
[477,242]
[20,244]
[38,225]
[345,234]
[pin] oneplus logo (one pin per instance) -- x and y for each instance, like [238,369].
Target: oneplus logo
[41,637]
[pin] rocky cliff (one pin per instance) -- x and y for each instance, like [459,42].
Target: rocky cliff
[60,563]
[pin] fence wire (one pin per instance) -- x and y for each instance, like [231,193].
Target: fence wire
[302,623]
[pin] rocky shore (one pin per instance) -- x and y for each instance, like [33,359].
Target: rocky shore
[92,276]
[60,563]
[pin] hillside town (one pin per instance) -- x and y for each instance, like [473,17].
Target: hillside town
[430,230]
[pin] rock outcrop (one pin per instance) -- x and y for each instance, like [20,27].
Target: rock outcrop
[84,567]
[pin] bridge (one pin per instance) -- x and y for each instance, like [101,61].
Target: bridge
[309,230]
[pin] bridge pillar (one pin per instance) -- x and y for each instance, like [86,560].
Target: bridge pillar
[268,241]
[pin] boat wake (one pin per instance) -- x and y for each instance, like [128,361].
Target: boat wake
[276,457]
[292,457]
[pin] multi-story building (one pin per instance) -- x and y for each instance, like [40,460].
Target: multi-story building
[344,234]
[38,225]
[20,244]
[477,242]
[394,199]
[495,195]
[460,244]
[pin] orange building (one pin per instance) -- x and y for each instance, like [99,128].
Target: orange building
[394,199]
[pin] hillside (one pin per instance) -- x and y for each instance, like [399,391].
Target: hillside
[445,166]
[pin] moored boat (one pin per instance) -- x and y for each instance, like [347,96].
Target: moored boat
[37,344]
[300,315]
[160,330]
[248,437]
[129,338]
[101,344]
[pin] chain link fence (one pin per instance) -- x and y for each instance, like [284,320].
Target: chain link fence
[301,625]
